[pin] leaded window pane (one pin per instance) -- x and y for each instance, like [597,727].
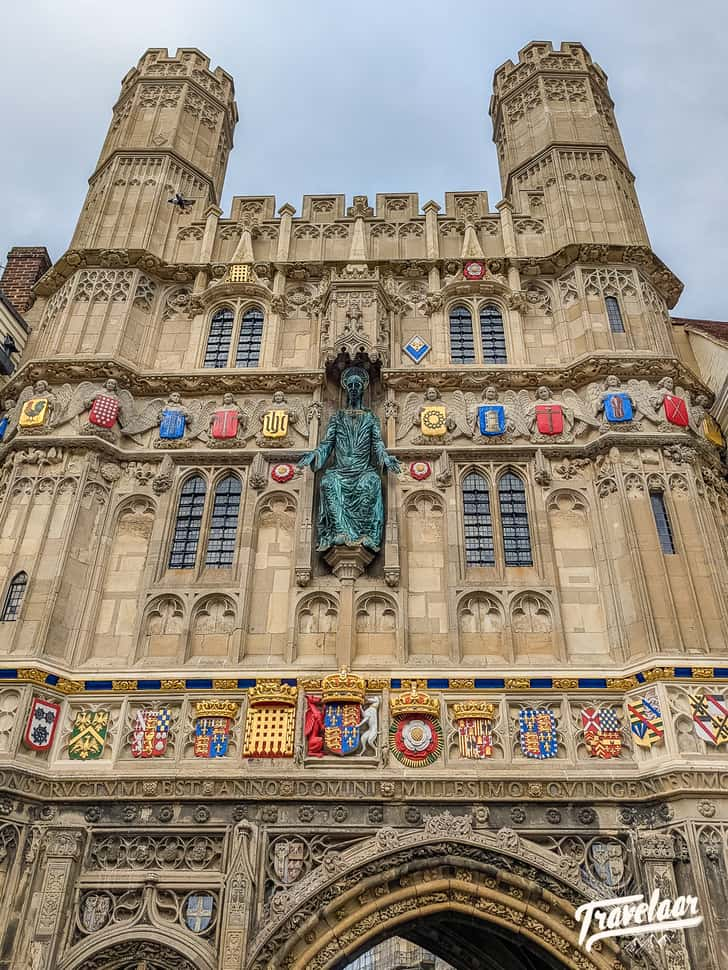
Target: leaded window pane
[662,523]
[217,353]
[492,336]
[514,521]
[224,523]
[477,522]
[14,598]
[462,348]
[183,553]
[251,335]
[614,314]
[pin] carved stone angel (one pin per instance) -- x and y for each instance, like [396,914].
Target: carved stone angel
[277,417]
[674,402]
[547,416]
[174,418]
[458,419]
[36,407]
[106,403]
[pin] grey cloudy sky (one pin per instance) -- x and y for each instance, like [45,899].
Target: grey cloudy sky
[387,95]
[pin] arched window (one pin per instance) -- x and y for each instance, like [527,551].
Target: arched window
[492,335]
[514,521]
[224,522]
[183,553]
[614,314]
[14,598]
[477,521]
[219,337]
[251,334]
[662,523]
[462,348]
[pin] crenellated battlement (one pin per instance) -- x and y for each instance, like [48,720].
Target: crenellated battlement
[571,57]
[187,63]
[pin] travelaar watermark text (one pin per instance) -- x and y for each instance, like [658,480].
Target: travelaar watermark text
[632,916]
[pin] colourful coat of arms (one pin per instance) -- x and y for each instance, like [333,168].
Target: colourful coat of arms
[34,412]
[537,732]
[433,420]
[42,724]
[602,733]
[645,719]
[213,721]
[104,411]
[199,911]
[343,695]
[676,410]
[618,407]
[270,720]
[275,424]
[474,723]
[225,423]
[172,425]
[151,732]
[3,427]
[711,430]
[549,418]
[88,735]
[710,716]
[415,734]
[492,419]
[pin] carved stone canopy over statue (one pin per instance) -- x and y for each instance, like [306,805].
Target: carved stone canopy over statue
[351,510]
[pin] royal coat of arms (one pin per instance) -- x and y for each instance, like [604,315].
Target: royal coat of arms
[199,911]
[172,425]
[549,418]
[676,410]
[645,719]
[42,724]
[474,723]
[433,420]
[275,424]
[537,732]
[88,735]
[710,716]
[618,408]
[602,733]
[34,412]
[104,411]
[270,720]
[343,696]
[492,419]
[225,423]
[150,733]
[213,721]
[415,734]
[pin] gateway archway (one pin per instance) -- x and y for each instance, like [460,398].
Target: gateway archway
[465,896]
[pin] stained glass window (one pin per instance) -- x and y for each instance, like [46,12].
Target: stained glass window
[514,521]
[251,335]
[492,335]
[217,352]
[478,524]
[224,523]
[462,348]
[189,522]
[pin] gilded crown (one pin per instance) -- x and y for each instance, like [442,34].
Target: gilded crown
[415,701]
[272,692]
[344,688]
[216,708]
[475,709]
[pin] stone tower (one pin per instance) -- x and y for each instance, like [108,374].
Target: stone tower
[560,153]
[224,746]
[171,131]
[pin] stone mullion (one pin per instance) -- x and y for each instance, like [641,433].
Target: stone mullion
[641,585]
[248,537]
[237,899]
[709,927]
[612,604]
[683,515]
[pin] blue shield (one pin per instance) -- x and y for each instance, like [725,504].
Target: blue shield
[492,419]
[3,428]
[618,407]
[537,733]
[341,728]
[172,425]
[198,912]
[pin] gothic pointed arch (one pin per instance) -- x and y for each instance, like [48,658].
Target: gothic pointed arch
[153,947]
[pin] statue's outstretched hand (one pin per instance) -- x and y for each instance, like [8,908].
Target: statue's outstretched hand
[391,464]
[307,460]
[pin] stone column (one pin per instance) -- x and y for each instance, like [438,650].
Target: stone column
[63,852]
[657,854]
[238,899]
[286,212]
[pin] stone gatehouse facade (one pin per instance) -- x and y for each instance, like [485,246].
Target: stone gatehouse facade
[218,750]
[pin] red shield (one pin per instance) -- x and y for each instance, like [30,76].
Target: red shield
[549,418]
[676,410]
[224,424]
[104,411]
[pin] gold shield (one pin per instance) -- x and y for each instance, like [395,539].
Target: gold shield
[34,412]
[712,431]
[275,424]
[433,420]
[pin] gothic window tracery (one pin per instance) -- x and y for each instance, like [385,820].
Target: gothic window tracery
[224,522]
[487,345]
[492,335]
[207,524]
[220,338]
[514,520]
[462,348]
[14,598]
[251,335]
[183,553]
[662,523]
[614,314]
[477,521]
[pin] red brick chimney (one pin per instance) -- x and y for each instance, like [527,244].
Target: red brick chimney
[24,266]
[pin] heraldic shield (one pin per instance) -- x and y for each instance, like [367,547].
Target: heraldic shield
[602,734]
[415,733]
[645,719]
[549,419]
[151,733]
[710,716]
[537,732]
[343,696]
[213,722]
[34,412]
[224,424]
[42,724]
[198,911]
[617,408]
[491,419]
[474,724]
[433,420]
[676,410]
[104,411]
[607,863]
[275,424]
[172,425]
[88,735]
